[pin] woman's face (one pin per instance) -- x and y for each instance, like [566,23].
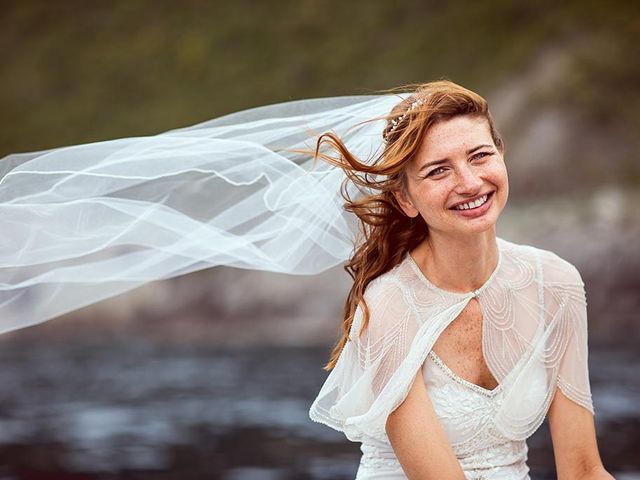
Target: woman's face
[457,163]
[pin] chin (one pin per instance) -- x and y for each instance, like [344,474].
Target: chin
[480,226]
[469,230]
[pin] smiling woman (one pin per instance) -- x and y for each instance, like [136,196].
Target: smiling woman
[469,183]
[454,341]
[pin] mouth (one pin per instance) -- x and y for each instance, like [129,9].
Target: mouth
[473,203]
[474,207]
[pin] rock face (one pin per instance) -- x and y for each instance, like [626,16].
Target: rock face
[553,145]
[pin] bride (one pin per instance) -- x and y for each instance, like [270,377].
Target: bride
[456,343]
[454,340]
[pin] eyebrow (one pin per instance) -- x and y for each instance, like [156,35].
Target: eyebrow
[443,160]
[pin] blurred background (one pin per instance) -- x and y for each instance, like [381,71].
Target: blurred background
[211,375]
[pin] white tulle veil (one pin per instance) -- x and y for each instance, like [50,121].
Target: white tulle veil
[87,222]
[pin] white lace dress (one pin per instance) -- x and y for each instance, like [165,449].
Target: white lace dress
[465,412]
[534,340]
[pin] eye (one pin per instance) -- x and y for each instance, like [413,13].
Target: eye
[480,155]
[440,170]
[435,171]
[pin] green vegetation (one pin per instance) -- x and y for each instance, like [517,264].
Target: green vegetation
[76,71]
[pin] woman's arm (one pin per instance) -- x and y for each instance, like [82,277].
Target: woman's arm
[418,439]
[573,434]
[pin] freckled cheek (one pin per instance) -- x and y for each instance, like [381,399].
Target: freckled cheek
[430,200]
[498,176]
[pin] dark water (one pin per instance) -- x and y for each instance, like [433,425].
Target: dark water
[139,411]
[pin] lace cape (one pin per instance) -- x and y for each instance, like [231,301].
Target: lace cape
[534,339]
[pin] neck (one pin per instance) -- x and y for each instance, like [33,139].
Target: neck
[458,263]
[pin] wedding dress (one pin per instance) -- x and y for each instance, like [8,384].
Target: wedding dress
[534,339]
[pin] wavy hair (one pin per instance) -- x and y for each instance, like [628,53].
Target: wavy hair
[387,233]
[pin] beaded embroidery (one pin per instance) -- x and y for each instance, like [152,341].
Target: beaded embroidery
[476,388]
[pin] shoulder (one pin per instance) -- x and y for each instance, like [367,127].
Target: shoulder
[387,284]
[559,271]
[388,299]
[555,269]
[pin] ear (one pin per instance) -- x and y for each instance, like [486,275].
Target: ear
[405,203]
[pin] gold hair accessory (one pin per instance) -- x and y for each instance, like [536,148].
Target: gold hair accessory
[396,121]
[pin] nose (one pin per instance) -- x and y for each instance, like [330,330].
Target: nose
[469,182]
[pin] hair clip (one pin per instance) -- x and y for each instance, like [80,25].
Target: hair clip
[396,121]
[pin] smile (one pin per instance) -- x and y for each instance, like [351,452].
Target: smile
[476,208]
[475,204]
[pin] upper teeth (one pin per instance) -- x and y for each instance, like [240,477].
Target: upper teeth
[477,203]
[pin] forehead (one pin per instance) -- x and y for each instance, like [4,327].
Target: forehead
[454,136]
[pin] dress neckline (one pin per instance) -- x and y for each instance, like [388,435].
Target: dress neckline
[466,383]
[475,293]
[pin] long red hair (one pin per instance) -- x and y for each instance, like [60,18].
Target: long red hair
[387,233]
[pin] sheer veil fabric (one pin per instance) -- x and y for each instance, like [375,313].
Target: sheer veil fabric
[87,222]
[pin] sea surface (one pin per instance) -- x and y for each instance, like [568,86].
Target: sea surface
[140,410]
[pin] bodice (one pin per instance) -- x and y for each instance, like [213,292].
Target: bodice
[466,411]
[534,339]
